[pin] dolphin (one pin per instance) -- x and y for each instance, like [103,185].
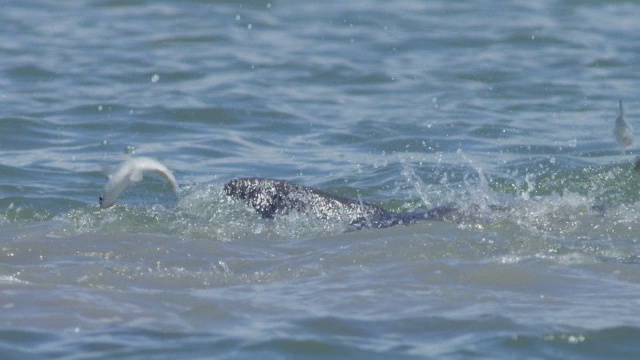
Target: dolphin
[273,197]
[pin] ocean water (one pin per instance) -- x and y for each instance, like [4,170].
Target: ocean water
[505,109]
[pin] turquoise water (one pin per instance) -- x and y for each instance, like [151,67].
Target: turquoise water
[506,110]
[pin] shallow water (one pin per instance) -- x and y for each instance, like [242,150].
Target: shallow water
[505,110]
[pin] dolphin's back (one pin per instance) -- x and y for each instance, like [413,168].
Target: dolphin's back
[271,197]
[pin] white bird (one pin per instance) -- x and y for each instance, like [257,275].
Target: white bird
[130,172]
[623,132]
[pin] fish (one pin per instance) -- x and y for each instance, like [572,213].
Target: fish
[130,172]
[622,130]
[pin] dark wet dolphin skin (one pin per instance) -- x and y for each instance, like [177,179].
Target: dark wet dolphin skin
[271,197]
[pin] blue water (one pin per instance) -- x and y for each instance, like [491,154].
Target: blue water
[504,109]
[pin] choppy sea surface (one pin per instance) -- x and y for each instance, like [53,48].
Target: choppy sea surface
[505,109]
